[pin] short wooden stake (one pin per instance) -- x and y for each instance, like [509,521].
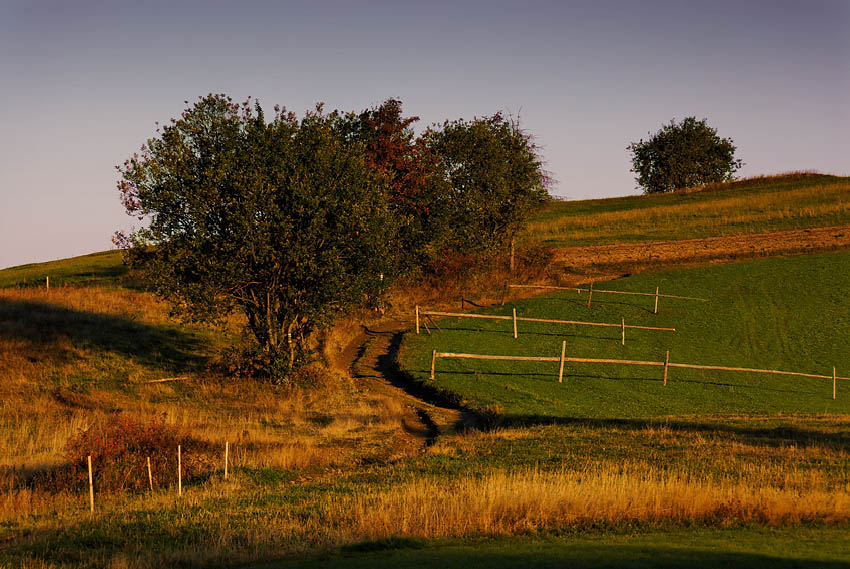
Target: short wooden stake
[666,364]
[656,301]
[515,334]
[563,351]
[433,362]
[179,472]
[226,457]
[504,294]
[91,488]
[150,475]
[590,294]
[833,382]
[417,318]
[47,282]
[624,331]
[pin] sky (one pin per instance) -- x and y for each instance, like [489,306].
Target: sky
[83,83]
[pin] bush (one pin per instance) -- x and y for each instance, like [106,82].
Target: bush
[119,449]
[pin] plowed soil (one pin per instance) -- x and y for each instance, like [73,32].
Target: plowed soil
[635,257]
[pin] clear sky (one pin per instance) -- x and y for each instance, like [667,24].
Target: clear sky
[82,83]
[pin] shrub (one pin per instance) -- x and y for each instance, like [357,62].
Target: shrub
[119,449]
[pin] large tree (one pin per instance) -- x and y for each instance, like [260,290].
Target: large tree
[284,220]
[492,177]
[683,155]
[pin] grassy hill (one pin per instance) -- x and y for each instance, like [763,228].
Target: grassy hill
[104,268]
[777,203]
[609,468]
[779,313]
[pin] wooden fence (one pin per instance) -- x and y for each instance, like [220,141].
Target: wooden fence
[622,325]
[591,290]
[666,364]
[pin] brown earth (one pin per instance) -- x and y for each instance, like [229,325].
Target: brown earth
[370,359]
[610,260]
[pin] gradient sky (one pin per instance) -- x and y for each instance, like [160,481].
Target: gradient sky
[82,83]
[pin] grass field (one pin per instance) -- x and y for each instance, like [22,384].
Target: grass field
[780,313]
[793,201]
[608,469]
[104,268]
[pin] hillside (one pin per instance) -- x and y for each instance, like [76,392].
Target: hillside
[779,313]
[608,468]
[756,205]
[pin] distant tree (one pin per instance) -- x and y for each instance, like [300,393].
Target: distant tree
[683,155]
[491,178]
[283,221]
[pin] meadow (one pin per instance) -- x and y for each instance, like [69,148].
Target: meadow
[778,313]
[609,468]
[756,205]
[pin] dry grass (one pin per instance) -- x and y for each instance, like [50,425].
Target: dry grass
[715,215]
[514,502]
[72,357]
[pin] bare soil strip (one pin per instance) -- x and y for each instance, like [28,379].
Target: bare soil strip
[371,360]
[646,255]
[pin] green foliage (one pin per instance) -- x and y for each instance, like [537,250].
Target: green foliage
[761,314]
[491,178]
[283,220]
[683,155]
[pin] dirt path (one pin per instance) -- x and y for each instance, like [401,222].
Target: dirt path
[371,361]
[634,257]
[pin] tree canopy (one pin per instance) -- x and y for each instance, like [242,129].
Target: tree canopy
[283,221]
[683,155]
[295,221]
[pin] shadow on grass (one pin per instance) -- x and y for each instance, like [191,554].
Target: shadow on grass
[42,326]
[576,556]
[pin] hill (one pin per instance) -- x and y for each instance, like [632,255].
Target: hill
[756,205]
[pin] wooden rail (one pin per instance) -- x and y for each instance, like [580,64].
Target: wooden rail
[665,364]
[622,325]
[592,290]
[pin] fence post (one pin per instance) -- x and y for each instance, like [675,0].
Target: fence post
[433,362]
[833,382]
[561,372]
[179,472]
[91,488]
[150,475]
[656,301]
[226,457]
[666,363]
[515,335]
[590,294]
[417,318]
[624,330]
[47,283]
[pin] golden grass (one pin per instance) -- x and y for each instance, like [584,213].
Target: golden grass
[515,502]
[710,215]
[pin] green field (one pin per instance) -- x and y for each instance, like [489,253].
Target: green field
[104,268]
[781,313]
[778,203]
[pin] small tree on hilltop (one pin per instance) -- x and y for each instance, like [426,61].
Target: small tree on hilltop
[282,221]
[683,155]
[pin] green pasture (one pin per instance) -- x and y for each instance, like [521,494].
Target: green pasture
[103,268]
[788,314]
[678,548]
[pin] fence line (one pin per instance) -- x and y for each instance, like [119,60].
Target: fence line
[591,290]
[665,364]
[622,325]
